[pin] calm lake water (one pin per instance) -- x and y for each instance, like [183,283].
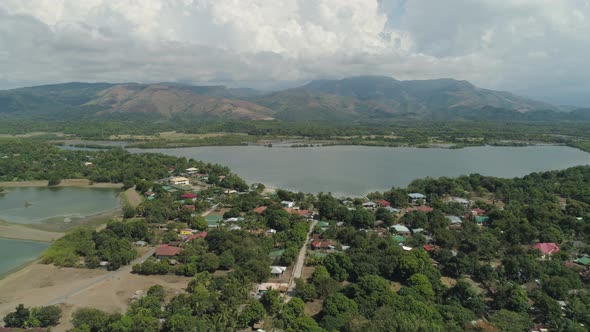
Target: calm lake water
[14,253]
[42,204]
[356,170]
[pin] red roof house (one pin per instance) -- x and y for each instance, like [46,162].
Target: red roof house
[423,208]
[478,212]
[189,207]
[260,209]
[167,251]
[547,248]
[201,235]
[383,203]
[188,196]
[429,247]
[322,244]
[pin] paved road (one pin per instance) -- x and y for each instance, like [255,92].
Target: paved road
[298,270]
[97,280]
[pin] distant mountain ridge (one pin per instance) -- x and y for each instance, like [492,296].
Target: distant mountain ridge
[348,100]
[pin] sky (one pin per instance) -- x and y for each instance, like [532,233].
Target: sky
[537,48]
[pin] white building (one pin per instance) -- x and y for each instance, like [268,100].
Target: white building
[415,197]
[288,204]
[179,180]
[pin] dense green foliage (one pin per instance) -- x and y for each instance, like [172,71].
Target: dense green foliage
[112,245]
[24,317]
[22,160]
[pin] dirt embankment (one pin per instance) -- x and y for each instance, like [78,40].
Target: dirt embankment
[39,284]
[63,183]
[132,197]
[19,232]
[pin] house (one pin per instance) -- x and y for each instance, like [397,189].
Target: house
[430,247]
[192,170]
[422,208]
[322,244]
[480,220]
[260,209]
[88,164]
[266,286]
[179,180]
[166,251]
[277,270]
[383,203]
[458,200]
[392,210]
[415,197]
[547,248]
[478,212]
[288,204]
[213,221]
[200,235]
[235,228]
[398,239]
[189,207]
[323,224]
[454,220]
[369,205]
[401,229]
[189,196]
[303,213]
[585,261]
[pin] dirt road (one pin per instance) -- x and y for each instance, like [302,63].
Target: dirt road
[298,270]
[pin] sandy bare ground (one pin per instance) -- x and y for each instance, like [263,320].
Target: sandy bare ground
[63,183]
[12,231]
[72,288]
[132,197]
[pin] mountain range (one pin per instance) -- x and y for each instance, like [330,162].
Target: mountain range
[349,100]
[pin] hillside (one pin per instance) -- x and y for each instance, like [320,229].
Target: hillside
[349,100]
[169,100]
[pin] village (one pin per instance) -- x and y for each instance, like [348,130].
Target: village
[195,244]
[246,211]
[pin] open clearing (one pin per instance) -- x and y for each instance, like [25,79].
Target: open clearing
[39,284]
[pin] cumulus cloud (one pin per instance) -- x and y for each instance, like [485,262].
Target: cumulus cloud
[538,47]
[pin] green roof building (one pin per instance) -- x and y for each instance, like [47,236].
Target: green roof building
[213,220]
[323,224]
[583,261]
[276,253]
[399,239]
[481,219]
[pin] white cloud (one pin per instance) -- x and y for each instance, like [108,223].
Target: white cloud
[535,46]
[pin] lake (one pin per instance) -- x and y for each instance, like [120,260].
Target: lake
[14,253]
[357,170]
[39,205]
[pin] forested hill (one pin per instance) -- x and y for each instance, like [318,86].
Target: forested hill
[350,100]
